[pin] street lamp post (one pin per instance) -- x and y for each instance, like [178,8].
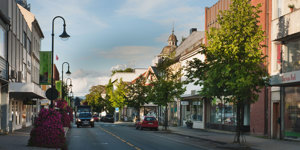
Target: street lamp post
[62,77]
[64,35]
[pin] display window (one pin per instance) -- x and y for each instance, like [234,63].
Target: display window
[222,112]
[292,112]
[291,56]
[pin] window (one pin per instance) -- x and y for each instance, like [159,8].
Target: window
[28,46]
[291,56]
[222,112]
[2,42]
[24,39]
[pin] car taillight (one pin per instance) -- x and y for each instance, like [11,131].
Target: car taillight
[145,122]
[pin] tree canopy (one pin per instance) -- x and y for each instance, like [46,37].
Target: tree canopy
[234,66]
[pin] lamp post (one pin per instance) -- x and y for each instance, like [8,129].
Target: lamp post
[64,35]
[62,77]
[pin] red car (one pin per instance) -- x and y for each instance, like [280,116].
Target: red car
[148,122]
[96,118]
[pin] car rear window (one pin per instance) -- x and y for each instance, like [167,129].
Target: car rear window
[108,115]
[150,119]
[85,115]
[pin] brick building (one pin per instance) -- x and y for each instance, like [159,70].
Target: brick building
[259,112]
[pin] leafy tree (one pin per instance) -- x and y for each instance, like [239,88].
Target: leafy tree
[233,70]
[95,99]
[167,86]
[121,70]
[118,96]
[137,93]
[109,92]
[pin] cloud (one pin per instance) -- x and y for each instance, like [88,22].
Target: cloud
[75,13]
[131,55]
[83,80]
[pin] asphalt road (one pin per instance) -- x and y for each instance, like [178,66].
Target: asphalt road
[108,136]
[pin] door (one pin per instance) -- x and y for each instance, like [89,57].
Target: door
[276,120]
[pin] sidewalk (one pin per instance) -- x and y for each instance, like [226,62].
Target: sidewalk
[17,140]
[226,139]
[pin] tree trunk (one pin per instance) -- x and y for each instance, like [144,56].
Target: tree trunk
[166,118]
[238,124]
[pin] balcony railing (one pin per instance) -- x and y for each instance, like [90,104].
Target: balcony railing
[285,27]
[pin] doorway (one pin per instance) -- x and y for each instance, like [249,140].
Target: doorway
[276,120]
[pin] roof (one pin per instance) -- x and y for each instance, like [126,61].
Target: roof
[167,50]
[172,37]
[30,19]
[190,42]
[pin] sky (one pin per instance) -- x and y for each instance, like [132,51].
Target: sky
[113,34]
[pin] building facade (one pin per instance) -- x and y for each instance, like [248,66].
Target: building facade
[285,70]
[4,28]
[191,104]
[23,43]
[256,116]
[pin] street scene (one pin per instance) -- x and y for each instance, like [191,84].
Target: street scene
[150,74]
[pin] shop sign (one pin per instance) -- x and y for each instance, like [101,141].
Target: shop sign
[184,102]
[285,78]
[197,103]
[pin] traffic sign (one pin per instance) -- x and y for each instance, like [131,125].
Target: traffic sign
[117,109]
[52,94]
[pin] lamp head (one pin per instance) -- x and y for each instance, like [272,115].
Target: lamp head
[64,36]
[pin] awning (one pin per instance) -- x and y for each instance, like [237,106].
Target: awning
[190,97]
[150,105]
[25,90]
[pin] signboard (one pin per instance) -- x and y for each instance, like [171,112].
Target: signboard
[196,103]
[285,78]
[117,109]
[45,67]
[52,94]
[184,102]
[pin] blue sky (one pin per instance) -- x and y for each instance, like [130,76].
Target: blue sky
[108,34]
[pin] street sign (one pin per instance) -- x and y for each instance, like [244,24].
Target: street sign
[117,109]
[52,94]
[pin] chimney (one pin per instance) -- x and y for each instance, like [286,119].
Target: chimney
[193,30]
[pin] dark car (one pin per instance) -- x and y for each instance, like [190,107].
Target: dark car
[85,119]
[109,118]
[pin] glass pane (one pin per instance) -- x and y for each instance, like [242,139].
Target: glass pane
[292,112]
[291,56]
[2,42]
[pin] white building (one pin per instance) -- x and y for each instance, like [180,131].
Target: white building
[191,106]
[285,69]
[24,36]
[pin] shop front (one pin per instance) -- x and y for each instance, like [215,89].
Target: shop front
[221,115]
[286,116]
[23,103]
[192,112]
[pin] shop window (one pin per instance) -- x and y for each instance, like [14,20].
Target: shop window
[197,111]
[291,56]
[222,112]
[292,112]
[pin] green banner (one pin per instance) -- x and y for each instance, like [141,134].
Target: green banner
[58,88]
[45,67]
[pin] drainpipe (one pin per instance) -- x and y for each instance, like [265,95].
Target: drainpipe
[267,52]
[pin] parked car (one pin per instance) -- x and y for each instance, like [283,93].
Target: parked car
[147,122]
[96,118]
[109,118]
[85,119]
